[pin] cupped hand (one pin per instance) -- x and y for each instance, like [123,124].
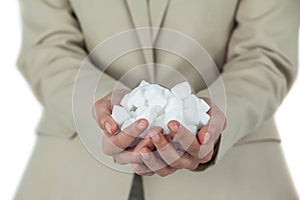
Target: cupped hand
[115,141]
[181,149]
[185,150]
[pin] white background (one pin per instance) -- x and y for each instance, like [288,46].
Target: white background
[19,111]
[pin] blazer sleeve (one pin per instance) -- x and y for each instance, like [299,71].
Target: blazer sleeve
[52,52]
[261,65]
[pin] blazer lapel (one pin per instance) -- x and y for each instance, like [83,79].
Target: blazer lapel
[139,13]
[147,13]
[138,10]
[158,9]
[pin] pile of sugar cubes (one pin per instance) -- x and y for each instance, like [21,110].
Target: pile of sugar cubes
[160,105]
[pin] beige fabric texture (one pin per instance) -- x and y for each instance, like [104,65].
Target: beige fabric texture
[62,169]
[253,43]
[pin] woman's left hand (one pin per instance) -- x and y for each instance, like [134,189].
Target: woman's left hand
[186,152]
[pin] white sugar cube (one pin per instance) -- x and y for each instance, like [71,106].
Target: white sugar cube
[190,101]
[203,106]
[173,105]
[192,129]
[119,114]
[143,83]
[155,111]
[173,116]
[124,101]
[167,93]
[159,121]
[137,98]
[152,91]
[182,90]
[140,110]
[159,106]
[204,119]
[191,116]
[158,100]
[145,115]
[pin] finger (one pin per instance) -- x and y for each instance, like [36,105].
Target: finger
[183,136]
[102,106]
[169,154]
[126,157]
[102,114]
[117,96]
[203,135]
[155,164]
[205,150]
[102,109]
[114,144]
[109,125]
[142,169]
[132,155]
[207,158]
[217,123]
[145,142]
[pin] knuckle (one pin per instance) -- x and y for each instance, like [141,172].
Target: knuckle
[101,103]
[117,142]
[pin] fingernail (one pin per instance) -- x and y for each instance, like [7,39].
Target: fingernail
[107,127]
[155,137]
[206,138]
[142,124]
[145,155]
[174,127]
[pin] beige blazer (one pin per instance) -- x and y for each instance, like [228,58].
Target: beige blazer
[252,42]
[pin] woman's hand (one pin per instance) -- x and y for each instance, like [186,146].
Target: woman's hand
[187,152]
[115,142]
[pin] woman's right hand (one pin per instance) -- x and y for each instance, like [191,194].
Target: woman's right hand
[115,142]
